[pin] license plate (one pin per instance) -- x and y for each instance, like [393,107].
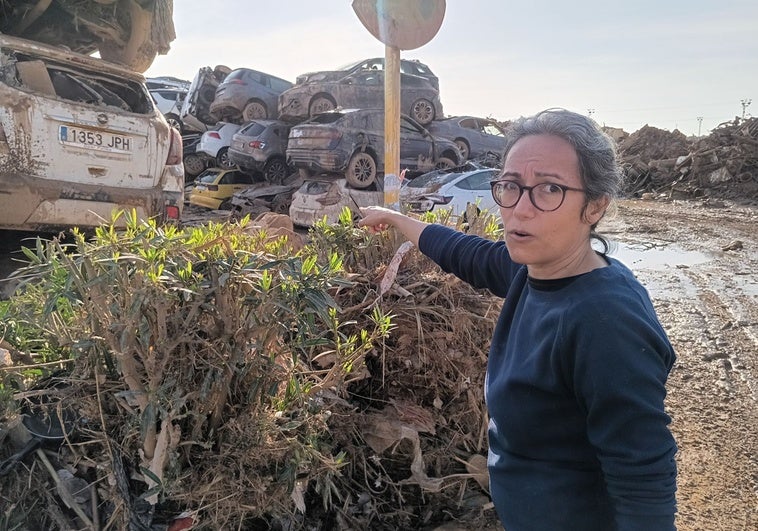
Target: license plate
[93,139]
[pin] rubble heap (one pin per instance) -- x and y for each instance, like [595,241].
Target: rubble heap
[723,164]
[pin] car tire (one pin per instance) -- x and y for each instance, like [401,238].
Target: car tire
[361,170]
[444,163]
[193,165]
[463,148]
[422,111]
[254,110]
[275,170]
[319,104]
[226,204]
[281,204]
[174,121]
[223,160]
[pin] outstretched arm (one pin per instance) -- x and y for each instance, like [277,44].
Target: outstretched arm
[377,218]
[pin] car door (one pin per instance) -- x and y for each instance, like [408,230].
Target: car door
[363,90]
[475,189]
[416,146]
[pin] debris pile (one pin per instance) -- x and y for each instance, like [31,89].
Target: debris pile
[224,379]
[722,165]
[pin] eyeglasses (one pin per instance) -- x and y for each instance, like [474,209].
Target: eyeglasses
[544,196]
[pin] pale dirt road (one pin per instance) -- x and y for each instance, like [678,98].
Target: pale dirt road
[707,299]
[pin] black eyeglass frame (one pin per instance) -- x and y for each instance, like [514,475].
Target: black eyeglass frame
[529,189]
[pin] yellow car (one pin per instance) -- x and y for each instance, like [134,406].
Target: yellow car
[215,187]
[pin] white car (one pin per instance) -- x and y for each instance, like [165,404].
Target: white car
[319,198]
[80,139]
[215,143]
[169,101]
[452,190]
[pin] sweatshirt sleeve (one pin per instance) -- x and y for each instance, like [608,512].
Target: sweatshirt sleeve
[478,261]
[621,365]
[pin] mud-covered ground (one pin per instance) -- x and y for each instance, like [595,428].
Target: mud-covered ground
[707,299]
[699,261]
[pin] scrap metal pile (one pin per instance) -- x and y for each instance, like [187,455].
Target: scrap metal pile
[721,165]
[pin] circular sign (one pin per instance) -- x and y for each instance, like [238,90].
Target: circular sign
[403,24]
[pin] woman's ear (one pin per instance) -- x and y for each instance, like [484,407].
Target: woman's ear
[595,210]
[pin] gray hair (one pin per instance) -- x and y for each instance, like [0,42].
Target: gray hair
[599,169]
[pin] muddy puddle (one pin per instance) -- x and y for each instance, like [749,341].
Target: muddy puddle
[657,256]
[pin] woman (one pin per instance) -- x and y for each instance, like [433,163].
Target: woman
[575,387]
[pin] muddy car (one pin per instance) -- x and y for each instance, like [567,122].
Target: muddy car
[326,198]
[247,94]
[351,142]
[169,101]
[81,138]
[475,137]
[261,146]
[407,66]
[361,90]
[196,114]
[453,190]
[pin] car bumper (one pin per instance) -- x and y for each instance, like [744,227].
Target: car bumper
[319,161]
[245,160]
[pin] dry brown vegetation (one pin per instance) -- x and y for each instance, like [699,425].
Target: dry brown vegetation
[219,373]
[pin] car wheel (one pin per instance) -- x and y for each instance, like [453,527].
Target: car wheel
[463,148]
[361,170]
[444,163]
[226,204]
[223,160]
[254,110]
[281,204]
[422,111]
[174,121]
[275,171]
[193,165]
[320,104]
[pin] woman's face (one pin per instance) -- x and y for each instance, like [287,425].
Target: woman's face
[552,244]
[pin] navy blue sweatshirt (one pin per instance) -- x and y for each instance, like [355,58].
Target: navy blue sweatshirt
[575,390]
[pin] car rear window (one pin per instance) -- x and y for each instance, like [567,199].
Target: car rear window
[93,88]
[252,129]
[208,176]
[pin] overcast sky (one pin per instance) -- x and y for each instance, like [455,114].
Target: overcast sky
[663,63]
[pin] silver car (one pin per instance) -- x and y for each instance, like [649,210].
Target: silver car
[261,146]
[246,95]
[476,137]
[419,99]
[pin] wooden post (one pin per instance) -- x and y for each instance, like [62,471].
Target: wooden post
[391,110]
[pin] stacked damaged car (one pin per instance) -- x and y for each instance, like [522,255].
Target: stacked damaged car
[325,133]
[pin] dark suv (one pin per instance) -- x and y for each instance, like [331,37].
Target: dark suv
[261,145]
[351,141]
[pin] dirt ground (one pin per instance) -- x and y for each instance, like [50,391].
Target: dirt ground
[699,260]
[707,299]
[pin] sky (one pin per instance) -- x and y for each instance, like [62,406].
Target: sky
[672,64]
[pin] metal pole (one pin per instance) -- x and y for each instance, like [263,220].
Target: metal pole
[391,110]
